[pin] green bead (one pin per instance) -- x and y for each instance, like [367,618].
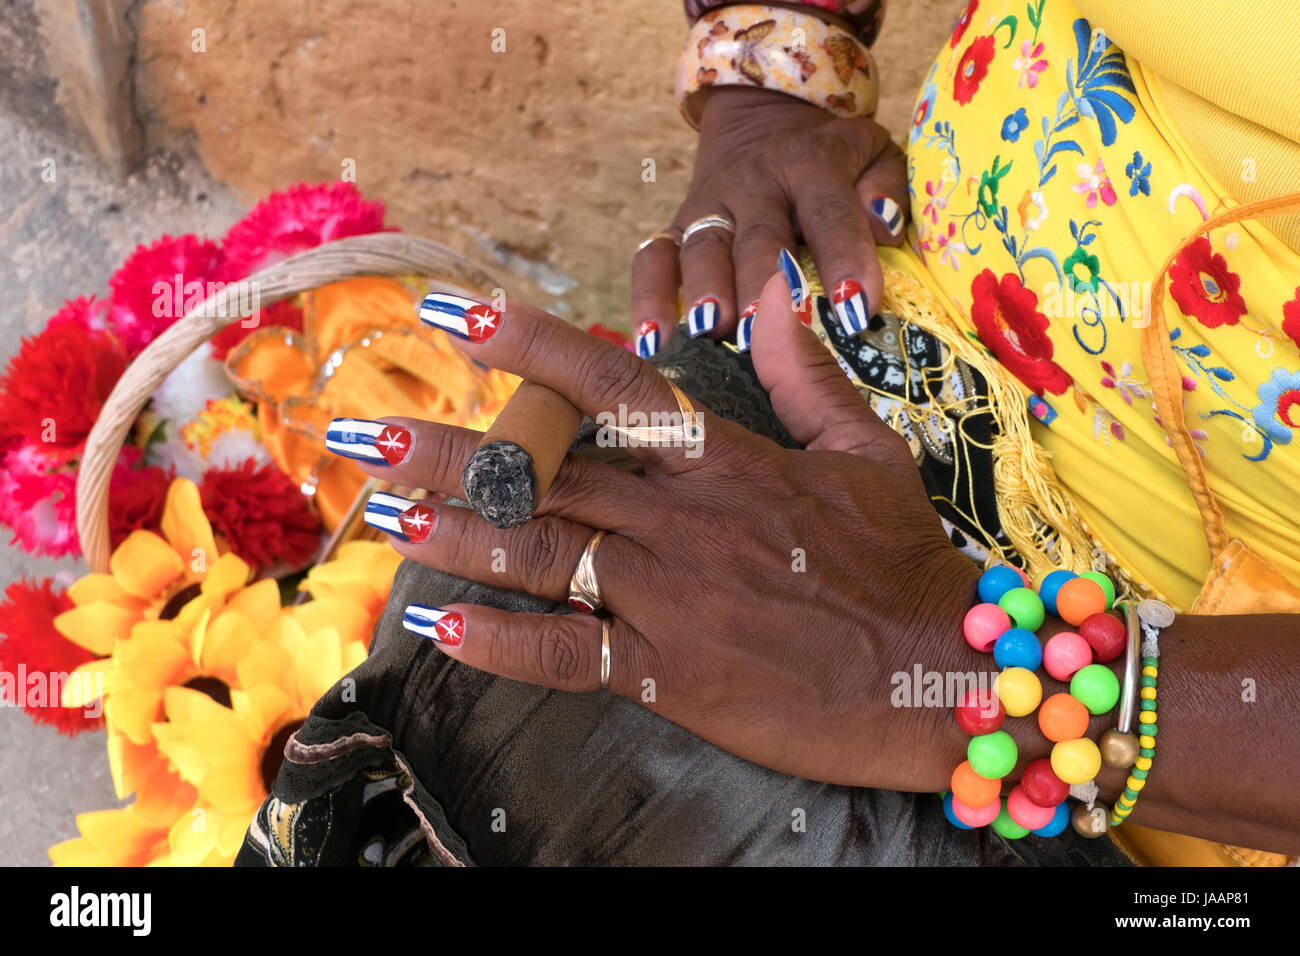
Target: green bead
[1147,752]
[1149,729]
[1148,705]
[992,756]
[1150,662]
[1130,795]
[1024,607]
[1004,826]
[1104,583]
[1140,774]
[1096,687]
[1148,682]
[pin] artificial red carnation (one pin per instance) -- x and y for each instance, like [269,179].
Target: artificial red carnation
[963,21]
[1204,287]
[55,386]
[158,284]
[1008,322]
[261,513]
[1291,319]
[31,645]
[136,495]
[972,68]
[610,335]
[300,218]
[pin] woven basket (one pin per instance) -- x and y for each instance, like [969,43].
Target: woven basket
[387,254]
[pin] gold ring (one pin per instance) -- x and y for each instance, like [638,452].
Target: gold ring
[584,589]
[708,222]
[604,654]
[655,237]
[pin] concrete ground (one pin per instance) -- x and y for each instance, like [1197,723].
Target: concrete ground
[59,240]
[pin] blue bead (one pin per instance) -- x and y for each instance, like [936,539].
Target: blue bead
[1059,822]
[952,817]
[1051,584]
[1018,648]
[996,582]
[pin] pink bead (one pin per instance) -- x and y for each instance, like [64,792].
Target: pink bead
[1024,577]
[983,625]
[976,816]
[1025,812]
[1065,653]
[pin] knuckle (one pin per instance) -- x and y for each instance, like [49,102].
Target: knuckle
[829,215]
[539,549]
[563,655]
[605,374]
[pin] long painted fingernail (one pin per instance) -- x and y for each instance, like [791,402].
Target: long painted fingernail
[789,267]
[402,518]
[851,307]
[460,316]
[704,317]
[647,339]
[445,627]
[745,328]
[376,443]
[887,211]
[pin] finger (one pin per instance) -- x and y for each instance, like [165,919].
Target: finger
[538,557]
[760,237]
[838,233]
[810,394]
[419,454]
[608,383]
[561,651]
[656,279]
[883,192]
[708,282]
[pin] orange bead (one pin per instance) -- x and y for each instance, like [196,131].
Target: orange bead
[1079,599]
[1062,717]
[972,789]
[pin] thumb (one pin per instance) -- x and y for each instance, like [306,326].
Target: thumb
[810,394]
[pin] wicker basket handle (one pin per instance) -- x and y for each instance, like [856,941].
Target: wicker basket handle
[379,254]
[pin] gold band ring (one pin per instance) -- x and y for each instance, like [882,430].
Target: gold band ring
[584,589]
[604,654]
[655,237]
[707,222]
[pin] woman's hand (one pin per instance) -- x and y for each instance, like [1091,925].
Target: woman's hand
[779,169]
[761,597]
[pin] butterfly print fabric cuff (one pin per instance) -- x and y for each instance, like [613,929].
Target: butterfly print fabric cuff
[865,16]
[777,49]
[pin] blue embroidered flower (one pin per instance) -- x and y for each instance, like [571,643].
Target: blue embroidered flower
[1014,125]
[1139,173]
[1278,411]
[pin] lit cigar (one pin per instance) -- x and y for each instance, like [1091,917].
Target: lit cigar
[514,465]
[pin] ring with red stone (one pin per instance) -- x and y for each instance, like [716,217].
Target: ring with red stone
[584,589]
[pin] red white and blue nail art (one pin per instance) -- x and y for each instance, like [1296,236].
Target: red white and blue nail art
[460,316]
[887,211]
[647,339]
[376,443]
[402,518]
[445,627]
[800,301]
[745,327]
[703,317]
[851,308]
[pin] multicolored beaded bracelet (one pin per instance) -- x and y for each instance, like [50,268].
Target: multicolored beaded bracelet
[1004,623]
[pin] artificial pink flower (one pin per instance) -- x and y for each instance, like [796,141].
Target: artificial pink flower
[158,284]
[37,500]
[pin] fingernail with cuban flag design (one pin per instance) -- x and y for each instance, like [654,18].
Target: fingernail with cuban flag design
[745,328]
[887,211]
[851,307]
[376,443]
[445,627]
[799,298]
[460,316]
[703,318]
[647,339]
[402,518]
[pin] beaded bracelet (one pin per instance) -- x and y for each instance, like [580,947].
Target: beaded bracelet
[1153,616]
[776,49]
[1037,804]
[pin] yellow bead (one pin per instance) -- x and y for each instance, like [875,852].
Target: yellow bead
[1133,783]
[1148,742]
[1019,690]
[1076,761]
[1150,671]
[1148,693]
[1142,763]
[1147,717]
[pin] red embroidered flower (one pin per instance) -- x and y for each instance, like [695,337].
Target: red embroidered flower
[972,68]
[1291,319]
[1008,322]
[1204,287]
[158,284]
[963,21]
[262,514]
[32,646]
